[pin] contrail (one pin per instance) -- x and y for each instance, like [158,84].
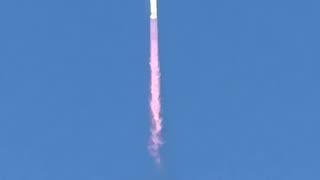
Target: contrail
[155,106]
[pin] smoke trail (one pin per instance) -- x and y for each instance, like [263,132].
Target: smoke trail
[155,106]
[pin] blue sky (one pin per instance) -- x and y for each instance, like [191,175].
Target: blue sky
[240,90]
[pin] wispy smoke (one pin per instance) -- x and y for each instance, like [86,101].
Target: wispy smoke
[155,105]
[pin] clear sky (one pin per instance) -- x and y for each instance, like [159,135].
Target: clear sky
[240,86]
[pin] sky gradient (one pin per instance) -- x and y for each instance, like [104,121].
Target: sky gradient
[240,90]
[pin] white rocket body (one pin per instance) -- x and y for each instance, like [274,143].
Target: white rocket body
[153,9]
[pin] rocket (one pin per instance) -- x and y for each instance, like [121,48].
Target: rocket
[153,9]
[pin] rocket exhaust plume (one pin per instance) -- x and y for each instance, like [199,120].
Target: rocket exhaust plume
[155,106]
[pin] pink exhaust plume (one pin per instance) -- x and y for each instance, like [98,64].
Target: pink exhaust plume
[155,106]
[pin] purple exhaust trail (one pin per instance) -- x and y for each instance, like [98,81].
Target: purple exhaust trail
[155,105]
